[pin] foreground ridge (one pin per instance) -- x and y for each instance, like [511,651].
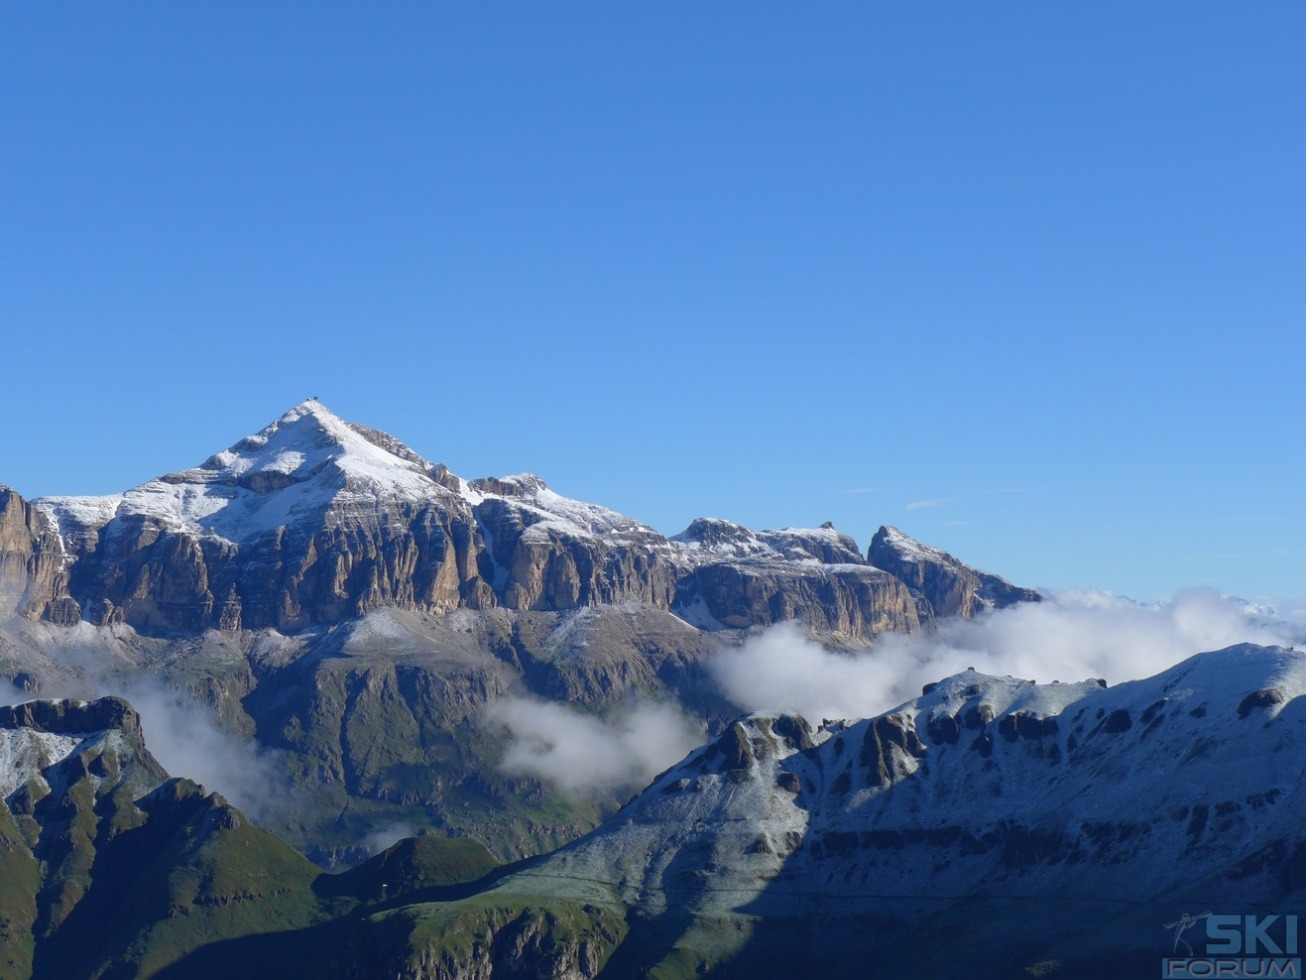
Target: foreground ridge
[988,828]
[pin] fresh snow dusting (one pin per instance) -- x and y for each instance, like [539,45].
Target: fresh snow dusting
[909,547]
[551,513]
[711,539]
[24,753]
[310,467]
[306,462]
[1197,763]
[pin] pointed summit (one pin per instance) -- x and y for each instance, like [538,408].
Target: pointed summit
[304,441]
[307,461]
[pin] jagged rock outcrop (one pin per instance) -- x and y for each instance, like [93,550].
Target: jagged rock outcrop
[950,587]
[67,717]
[108,867]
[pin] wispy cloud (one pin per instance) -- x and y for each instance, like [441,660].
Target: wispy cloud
[945,501]
[926,504]
[181,732]
[581,754]
[387,836]
[860,490]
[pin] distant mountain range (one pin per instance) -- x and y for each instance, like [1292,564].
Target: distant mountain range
[315,520]
[355,608]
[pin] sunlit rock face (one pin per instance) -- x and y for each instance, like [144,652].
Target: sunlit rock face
[314,520]
[949,587]
[32,576]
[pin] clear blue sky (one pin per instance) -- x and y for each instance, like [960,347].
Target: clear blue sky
[1027,280]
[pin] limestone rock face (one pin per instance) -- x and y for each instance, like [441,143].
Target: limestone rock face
[539,563]
[153,577]
[315,520]
[857,601]
[32,580]
[66,717]
[948,586]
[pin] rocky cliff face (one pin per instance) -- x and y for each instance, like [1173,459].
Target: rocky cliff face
[110,868]
[315,520]
[948,587]
[32,579]
[68,771]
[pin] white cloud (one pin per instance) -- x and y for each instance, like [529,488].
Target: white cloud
[926,504]
[182,734]
[1071,636]
[581,753]
[387,836]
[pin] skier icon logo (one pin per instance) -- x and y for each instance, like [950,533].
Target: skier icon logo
[1182,925]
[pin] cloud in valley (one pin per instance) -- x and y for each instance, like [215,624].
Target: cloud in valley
[182,734]
[580,753]
[180,730]
[387,836]
[1071,636]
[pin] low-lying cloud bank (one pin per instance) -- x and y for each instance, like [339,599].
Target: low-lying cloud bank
[583,754]
[1070,636]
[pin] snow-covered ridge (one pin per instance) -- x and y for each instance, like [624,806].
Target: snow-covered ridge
[24,753]
[305,462]
[28,753]
[980,780]
[912,550]
[713,539]
[311,462]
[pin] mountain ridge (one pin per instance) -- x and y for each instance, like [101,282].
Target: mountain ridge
[314,519]
[358,611]
[988,828]
[964,833]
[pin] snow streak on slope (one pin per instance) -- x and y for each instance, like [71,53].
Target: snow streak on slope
[24,753]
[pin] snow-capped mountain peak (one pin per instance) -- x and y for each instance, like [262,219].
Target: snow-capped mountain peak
[306,461]
[304,440]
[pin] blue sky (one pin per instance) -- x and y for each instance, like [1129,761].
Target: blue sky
[1026,280]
